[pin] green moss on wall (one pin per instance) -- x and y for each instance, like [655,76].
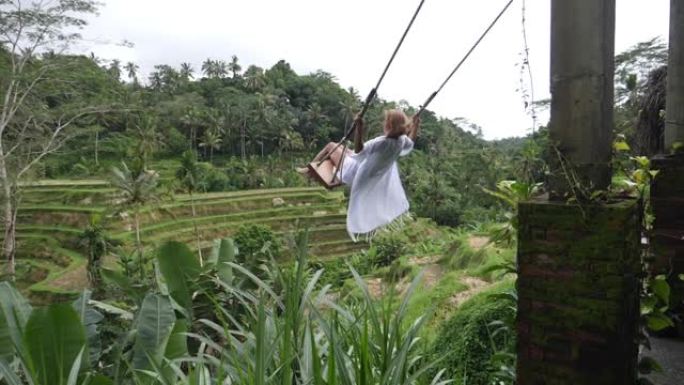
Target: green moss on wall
[578,292]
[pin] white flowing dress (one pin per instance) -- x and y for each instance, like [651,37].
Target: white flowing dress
[377,197]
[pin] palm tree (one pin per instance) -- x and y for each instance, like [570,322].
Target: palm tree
[115,69]
[165,78]
[263,115]
[234,67]
[191,120]
[156,81]
[254,78]
[243,136]
[212,141]
[95,242]
[315,113]
[221,69]
[347,108]
[238,115]
[224,113]
[215,120]
[189,175]
[214,68]
[315,119]
[132,70]
[216,123]
[290,140]
[208,68]
[354,93]
[101,122]
[326,76]
[148,139]
[186,71]
[136,188]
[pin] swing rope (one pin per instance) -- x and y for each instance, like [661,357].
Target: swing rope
[373,92]
[467,55]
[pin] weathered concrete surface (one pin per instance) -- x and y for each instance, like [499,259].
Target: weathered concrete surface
[582,68]
[674,120]
[578,285]
[670,355]
[667,237]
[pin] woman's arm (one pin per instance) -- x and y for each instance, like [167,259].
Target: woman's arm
[358,135]
[414,130]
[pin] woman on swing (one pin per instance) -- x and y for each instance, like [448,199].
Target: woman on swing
[377,197]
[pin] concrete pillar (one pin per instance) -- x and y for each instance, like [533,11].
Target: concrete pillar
[667,237]
[582,68]
[674,120]
[579,263]
[667,189]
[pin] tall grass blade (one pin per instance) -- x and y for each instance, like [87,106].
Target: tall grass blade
[15,311]
[256,280]
[75,369]
[260,365]
[8,375]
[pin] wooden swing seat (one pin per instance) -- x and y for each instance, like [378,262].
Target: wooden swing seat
[325,173]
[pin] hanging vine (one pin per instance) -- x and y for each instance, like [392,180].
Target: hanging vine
[526,79]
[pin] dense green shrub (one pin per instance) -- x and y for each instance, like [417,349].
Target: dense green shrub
[388,248]
[256,242]
[175,142]
[398,269]
[201,176]
[255,173]
[291,178]
[447,214]
[213,179]
[465,340]
[476,215]
[336,271]
[459,255]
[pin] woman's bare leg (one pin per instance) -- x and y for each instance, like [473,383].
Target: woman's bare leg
[330,151]
[336,156]
[325,151]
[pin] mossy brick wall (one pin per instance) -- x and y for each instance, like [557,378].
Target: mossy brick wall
[578,304]
[667,199]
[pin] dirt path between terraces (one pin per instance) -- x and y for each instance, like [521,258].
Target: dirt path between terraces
[478,242]
[475,286]
[74,280]
[433,273]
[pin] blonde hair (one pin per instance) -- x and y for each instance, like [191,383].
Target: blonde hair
[396,123]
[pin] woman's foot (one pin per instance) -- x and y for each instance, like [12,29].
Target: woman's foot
[305,171]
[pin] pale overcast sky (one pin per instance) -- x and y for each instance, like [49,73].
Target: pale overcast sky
[352,39]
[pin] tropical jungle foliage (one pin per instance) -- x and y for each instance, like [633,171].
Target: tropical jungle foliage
[169,200]
[200,326]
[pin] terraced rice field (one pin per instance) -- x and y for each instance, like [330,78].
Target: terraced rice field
[54,213]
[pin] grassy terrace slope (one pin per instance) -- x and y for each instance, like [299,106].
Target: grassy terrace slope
[54,214]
